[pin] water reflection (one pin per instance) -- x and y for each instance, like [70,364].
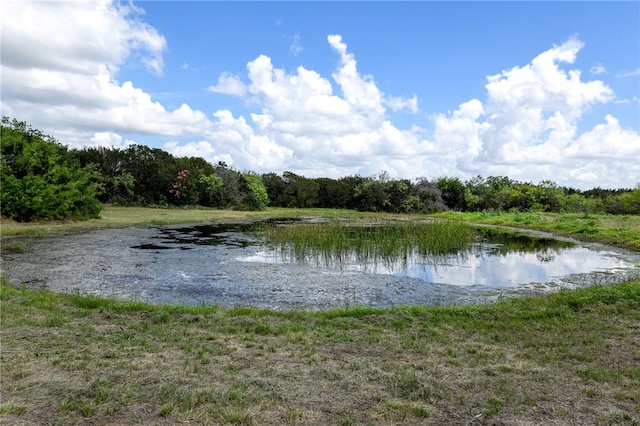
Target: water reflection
[500,259]
[483,264]
[233,265]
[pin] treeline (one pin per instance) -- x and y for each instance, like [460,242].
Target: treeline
[143,176]
[495,193]
[43,179]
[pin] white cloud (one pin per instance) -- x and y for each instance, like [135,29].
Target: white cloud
[61,73]
[233,141]
[229,84]
[606,140]
[361,93]
[530,128]
[398,103]
[109,139]
[303,125]
[61,76]
[87,35]
[534,109]
[598,69]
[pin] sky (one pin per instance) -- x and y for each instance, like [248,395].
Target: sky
[530,90]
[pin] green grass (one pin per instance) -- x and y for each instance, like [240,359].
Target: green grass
[623,231]
[370,240]
[569,357]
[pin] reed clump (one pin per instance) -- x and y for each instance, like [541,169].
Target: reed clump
[338,240]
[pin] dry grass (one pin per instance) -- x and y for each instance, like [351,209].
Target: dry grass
[567,358]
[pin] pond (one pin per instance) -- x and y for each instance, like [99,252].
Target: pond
[233,265]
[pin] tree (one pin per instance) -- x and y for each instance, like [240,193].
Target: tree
[153,171]
[276,189]
[41,179]
[118,183]
[229,194]
[371,195]
[256,197]
[452,190]
[631,201]
[334,194]
[429,195]
[400,198]
[301,192]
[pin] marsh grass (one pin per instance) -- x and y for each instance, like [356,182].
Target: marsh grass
[565,358]
[12,247]
[369,240]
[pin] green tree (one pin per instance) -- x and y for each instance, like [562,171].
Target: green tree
[276,189]
[256,197]
[371,195]
[452,190]
[631,201]
[154,172]
[41,179]
[301,192]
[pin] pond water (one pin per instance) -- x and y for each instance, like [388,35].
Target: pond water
[231,265]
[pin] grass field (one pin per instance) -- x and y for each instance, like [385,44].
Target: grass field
[622,231]
[567,358]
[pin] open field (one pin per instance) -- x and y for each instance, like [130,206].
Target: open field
[566,358]
[571,357]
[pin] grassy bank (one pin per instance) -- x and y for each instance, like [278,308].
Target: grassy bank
[567,358]
[622,231]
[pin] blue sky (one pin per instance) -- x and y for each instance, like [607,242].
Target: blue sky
[531,90]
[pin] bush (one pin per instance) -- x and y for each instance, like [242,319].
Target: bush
[42,180]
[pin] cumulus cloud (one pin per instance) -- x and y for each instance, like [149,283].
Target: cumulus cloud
[315,125]
[229,84]
[528,127]
[62,73]
[90,35]
[109,139]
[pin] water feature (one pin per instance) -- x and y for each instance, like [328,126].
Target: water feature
[233,265]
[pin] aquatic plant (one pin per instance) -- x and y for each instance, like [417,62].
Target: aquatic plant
[389,241]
